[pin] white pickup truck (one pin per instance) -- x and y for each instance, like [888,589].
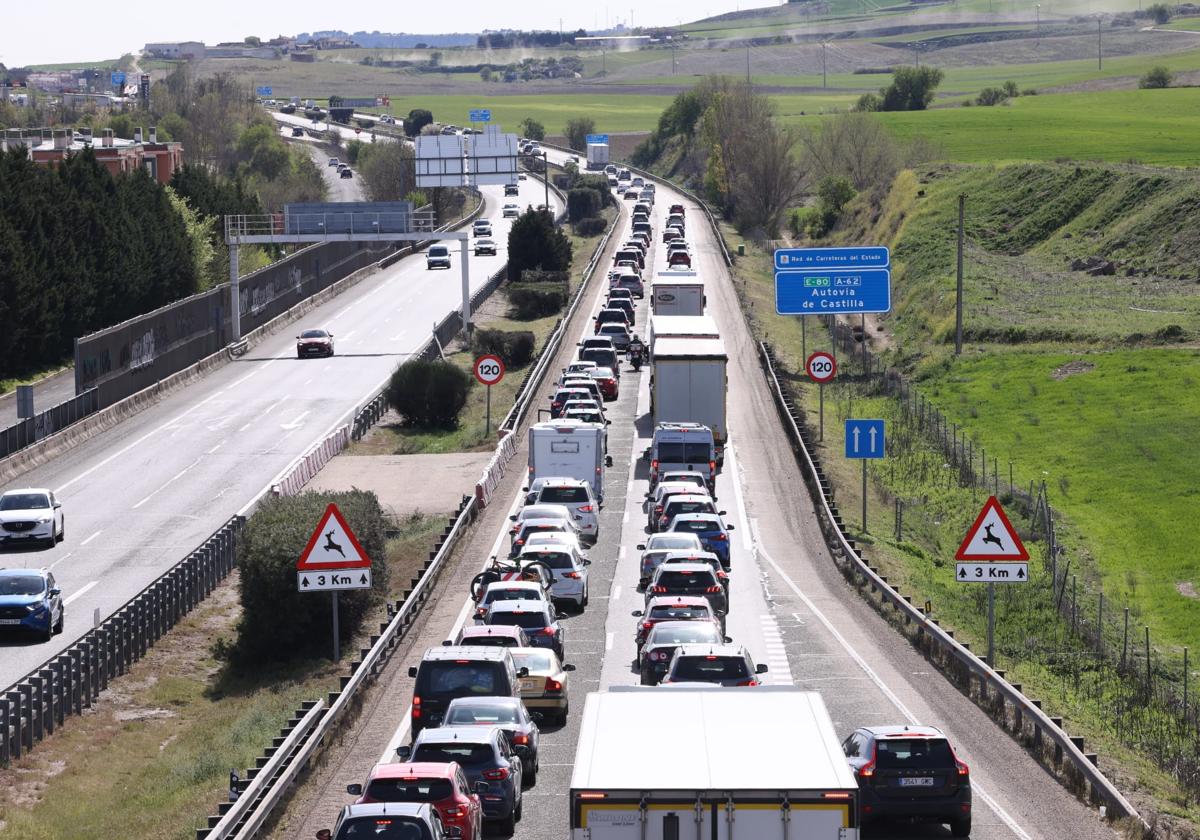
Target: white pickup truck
[722,764]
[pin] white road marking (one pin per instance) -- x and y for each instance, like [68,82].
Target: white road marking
[60,559]
[168,483]
[92,537]
[79,592]
[608,641]
[215,448]
[246,426]
[616,592]
[875,678]
[295,424]
[346,337]
[621,553]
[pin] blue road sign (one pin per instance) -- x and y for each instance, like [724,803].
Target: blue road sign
[481,115]
[118,78]
[870,256]
[864,439]
[844,291]
[597,138]
[263,90]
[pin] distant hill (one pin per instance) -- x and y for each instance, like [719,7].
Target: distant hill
[394,40]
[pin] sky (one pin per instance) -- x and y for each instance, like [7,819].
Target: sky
[83,30]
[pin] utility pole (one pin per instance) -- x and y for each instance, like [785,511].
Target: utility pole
[1099,43]
[958,297]
[824,78]
[672,59]
[747,64]
[916,53]
[1037,8]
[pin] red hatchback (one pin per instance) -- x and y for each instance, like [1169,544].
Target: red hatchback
[444,786]
[609,386]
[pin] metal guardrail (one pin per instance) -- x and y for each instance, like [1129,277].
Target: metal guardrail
[32,429]
[69,682]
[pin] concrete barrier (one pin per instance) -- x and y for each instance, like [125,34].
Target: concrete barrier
[310,462]
[494,471]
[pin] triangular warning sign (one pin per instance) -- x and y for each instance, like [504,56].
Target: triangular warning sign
[333,546]
[992,537]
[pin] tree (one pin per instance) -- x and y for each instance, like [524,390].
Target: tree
[1010,89]
[1160,12]
[912,89]
[417,119]
[767,180]
[1156,77]
[990,96]
[577,130]
[855,146]
[531,129]
[263,152]
[535,242]
[387,170]
[253,41]
[486,74]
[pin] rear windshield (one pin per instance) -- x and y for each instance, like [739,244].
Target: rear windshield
[490,641]
[710,668]
[684,453]
[676,508]
[535,661]
[913,753]
[678,613]
[668,541]
[465,754]
[685,580]
[554,559]
[528,619]
[382,828]
[465,677]
[511,595]
[409,790]
[678,635]
[600,355]
[477,714]
[695,526]
[686,478]
[563,496]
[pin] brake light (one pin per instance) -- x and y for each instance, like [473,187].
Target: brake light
[416,707]
[520,739]
[658,508]
[963,770]
[499,774]
[747,682]
[647,625]
[660,589]
[712,466]
[654,466]
[553,685]
[547,631]
[454,813]
[585,509]
[721,537]
[519,542]
[590,795]
[713,589]
[868,769]
[572,575]
[835,795]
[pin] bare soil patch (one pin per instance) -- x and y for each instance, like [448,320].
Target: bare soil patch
[1071,369]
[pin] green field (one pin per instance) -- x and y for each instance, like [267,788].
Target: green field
[1191,24]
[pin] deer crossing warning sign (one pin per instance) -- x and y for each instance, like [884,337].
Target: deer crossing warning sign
[992,552]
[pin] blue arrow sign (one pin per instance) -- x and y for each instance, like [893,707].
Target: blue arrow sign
[864,439]
[843,291]
[118,78]
[597,138]
[481,115]
[870,256]
[263,91]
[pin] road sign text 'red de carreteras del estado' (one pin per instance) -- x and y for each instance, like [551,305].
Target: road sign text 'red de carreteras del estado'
[824,281]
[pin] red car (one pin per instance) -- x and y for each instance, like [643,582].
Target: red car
[609,387]
[673,608]
[314,343]
[444,786]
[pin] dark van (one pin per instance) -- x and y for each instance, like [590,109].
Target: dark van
[450,672]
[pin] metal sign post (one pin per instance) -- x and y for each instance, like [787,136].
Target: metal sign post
[337,647]
[821,368]
[489,370]
[865,442]
[992,553]
[333,560]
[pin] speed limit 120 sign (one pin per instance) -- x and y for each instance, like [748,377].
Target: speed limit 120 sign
[821,367]
[489,370]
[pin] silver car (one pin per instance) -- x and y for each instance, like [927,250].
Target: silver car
[576,495]
[570,571]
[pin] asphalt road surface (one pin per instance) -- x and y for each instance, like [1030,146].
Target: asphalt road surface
[789,607]
[138,497]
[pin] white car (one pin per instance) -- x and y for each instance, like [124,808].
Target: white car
[485,246]
[438,256]
[570,571]
[538,512]
[31,515]
[482,227]
[510,211]
[576,496]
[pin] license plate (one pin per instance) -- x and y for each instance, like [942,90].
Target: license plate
[10,621]
[530,685]
[917,781]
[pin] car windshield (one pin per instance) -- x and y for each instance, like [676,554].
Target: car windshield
[684,453]
[465,754]
[473,714]
[313,334]
[695,526]
[383,828]
[678,612]
[703,668]
[22,585]
[409,790]
[462,676]
[913,753]
[679,634]
[530,620]
[537,661]
[24,501]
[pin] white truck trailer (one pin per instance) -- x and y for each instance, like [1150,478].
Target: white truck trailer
[597,156]
[688,384]
[759,763]
[682,326]
[570,449]
[671,294]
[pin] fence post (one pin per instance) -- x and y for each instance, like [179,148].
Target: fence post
[1074,607]
[1125,641]
[1149,677]
[1185,686]
[1100,626]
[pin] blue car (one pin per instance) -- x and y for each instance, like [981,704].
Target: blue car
[710,528]
[30,600]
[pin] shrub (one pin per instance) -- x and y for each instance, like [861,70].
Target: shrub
[1010,89]
[582,203]
[535,300]
[912,89]
[428,393]
[592,226]
[990,96]
[531,129]
[416,120]
[515,348]
[577,130]
[535,242]
[1156,77]
[278,622]
[1029,92]
[867,102]
[1161,12]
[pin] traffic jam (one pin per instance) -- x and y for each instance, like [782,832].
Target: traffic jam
[488,702]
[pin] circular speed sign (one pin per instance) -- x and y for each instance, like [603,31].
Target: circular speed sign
[821,367]
[489,370]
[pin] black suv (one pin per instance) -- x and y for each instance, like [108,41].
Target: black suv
[447,673]
[910,772]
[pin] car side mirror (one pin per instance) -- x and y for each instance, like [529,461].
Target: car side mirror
[586,561]
[55,592]
[636,613]
[568,667]
[404,753]
[513,518]
[649,496]
[760,668]
[354,790]
[324,834]
[481,787]
[522,672]
[606,423]
[412,672]
[559,615]
[642,546]
[730,528]
[719,513]
[608,461]
[57,505]
[447,642]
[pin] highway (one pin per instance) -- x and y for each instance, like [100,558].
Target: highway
[138,497]
[789,606]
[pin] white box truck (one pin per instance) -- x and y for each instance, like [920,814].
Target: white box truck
[758,763]
[597,155]
[675,295]
[570,449]
[682,326]
[688,384]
